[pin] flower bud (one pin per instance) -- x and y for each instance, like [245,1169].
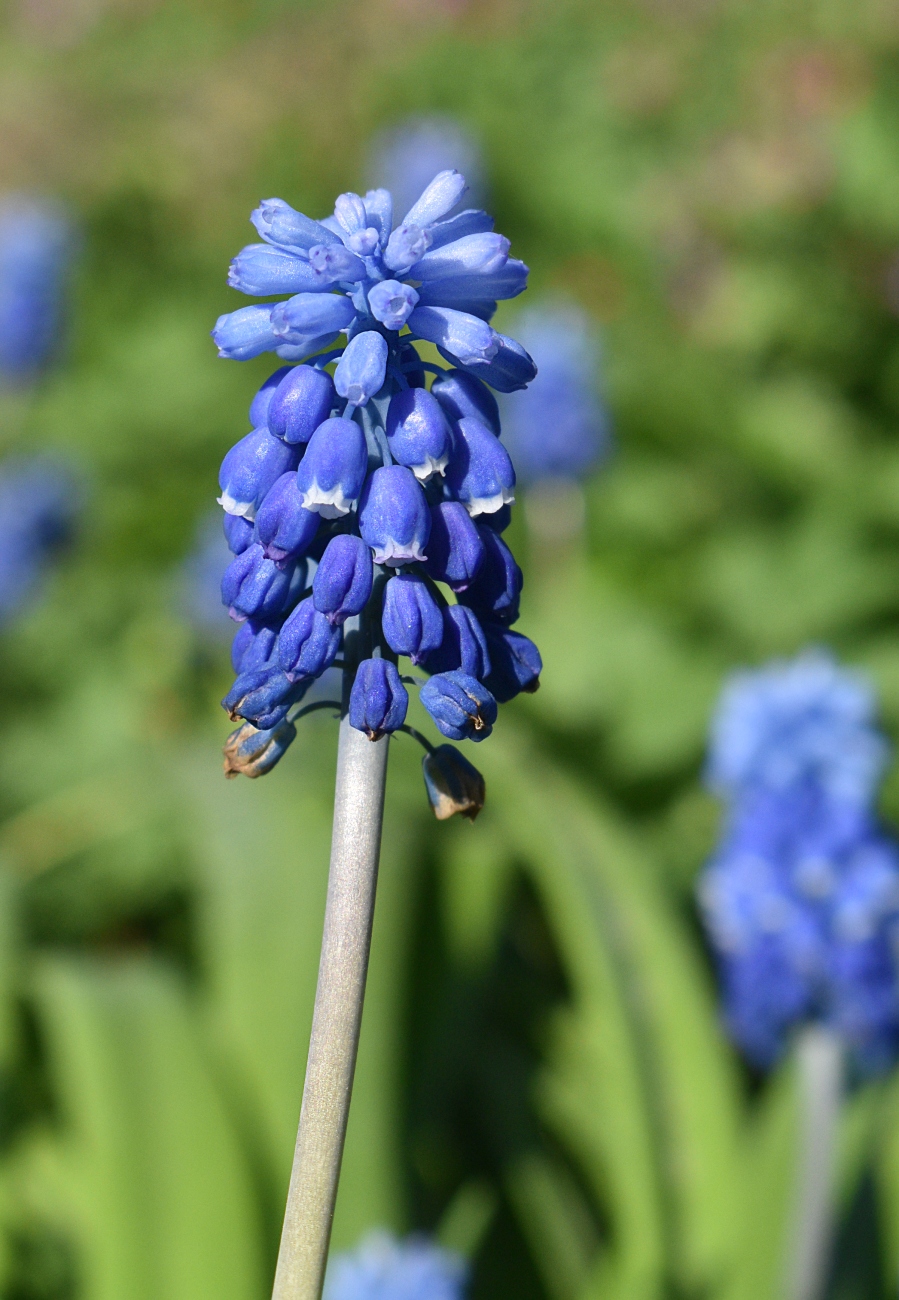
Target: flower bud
[378,699]
[455,549]
[392,303]
[393,516]
[245,333]
[418,434]
[284,527]
[463,646]
[309,316]
[496,591]
[507,369]
[480,472]
[301,402]
[349,210]
[363,242]
[476,294]
[379,212]
[461,707]
[515,663]
[440,197]
[411,619]
[483,254]
[361,370]
[453,784]
[334,262]
[254,587]
[462,395]
[343,580]
[307,643]
[252,753]
[260,270]
[465,338]
[473,221]
[259,407]
[263,697]
[405,246]
[279,223]
[239,533]
[332,472]
[254,646]
[251,468]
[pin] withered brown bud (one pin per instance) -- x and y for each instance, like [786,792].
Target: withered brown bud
[453,784]
[252,752]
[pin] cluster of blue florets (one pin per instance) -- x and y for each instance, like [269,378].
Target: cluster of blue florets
[357,492]
[801,898]
[382,1268]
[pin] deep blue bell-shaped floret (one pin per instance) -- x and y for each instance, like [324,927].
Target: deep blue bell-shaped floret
[252,753]
[301,402]
[332,472]
[385,1269]
[463,396]
[394,519]
[392,303]
[263,697]
[455,549]
[254,646]
[362,369]
[507,369]
[255,587]
[411,618]
[378,699]
[250,469]
[418,433]
[239,533]
[284,527]
[480,472]
[462,708]
[260,404]
[464,646]
[465,338]
[245,333]
[496,590]
[308,642]
[515,663]
[343,580]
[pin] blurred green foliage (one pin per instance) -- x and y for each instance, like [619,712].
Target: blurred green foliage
[542,1078]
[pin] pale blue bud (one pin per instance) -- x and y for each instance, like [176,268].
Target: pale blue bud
[362,369]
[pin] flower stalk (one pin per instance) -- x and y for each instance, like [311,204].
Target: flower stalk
[819,1056]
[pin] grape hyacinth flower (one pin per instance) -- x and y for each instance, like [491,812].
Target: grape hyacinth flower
[801,900]
[36,243]
[351,465]
[39,503]
[382,1268]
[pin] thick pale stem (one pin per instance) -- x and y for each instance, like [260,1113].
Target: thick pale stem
[819,1057]
[355,847]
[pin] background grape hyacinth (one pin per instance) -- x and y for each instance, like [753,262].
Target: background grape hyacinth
[364,510]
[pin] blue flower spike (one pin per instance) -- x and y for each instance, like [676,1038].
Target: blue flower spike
[373,474]
[382,1268]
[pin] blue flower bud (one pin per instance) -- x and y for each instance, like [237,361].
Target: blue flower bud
[462,396]
[284,527]
[238,533]
[278,223]
[263,696]
[254,587]
[250,469]
[260,269]
[379,213]
[349,211]
[474,293]
[364,242]
[393,516]
[378,699]
[259,407]
[496,590]
[463,646]
[455,549]
[252,753]
[332,472]
[333,262]
[461,707]
[509,369]
[411,619]
[515,663]
[362,369]
[307,643]
[245,333]
[309,316]
[473,221]
[392,303]
[405,247]
[453,784]
[472,255]
[254,646]
[418,433]
[480,472]
[465,338]
[301,402]
[343,580]
[440,197]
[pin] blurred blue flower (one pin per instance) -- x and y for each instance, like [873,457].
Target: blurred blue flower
[36,243]
[405,156]
[558,428]
[39,502]
[382,1268]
